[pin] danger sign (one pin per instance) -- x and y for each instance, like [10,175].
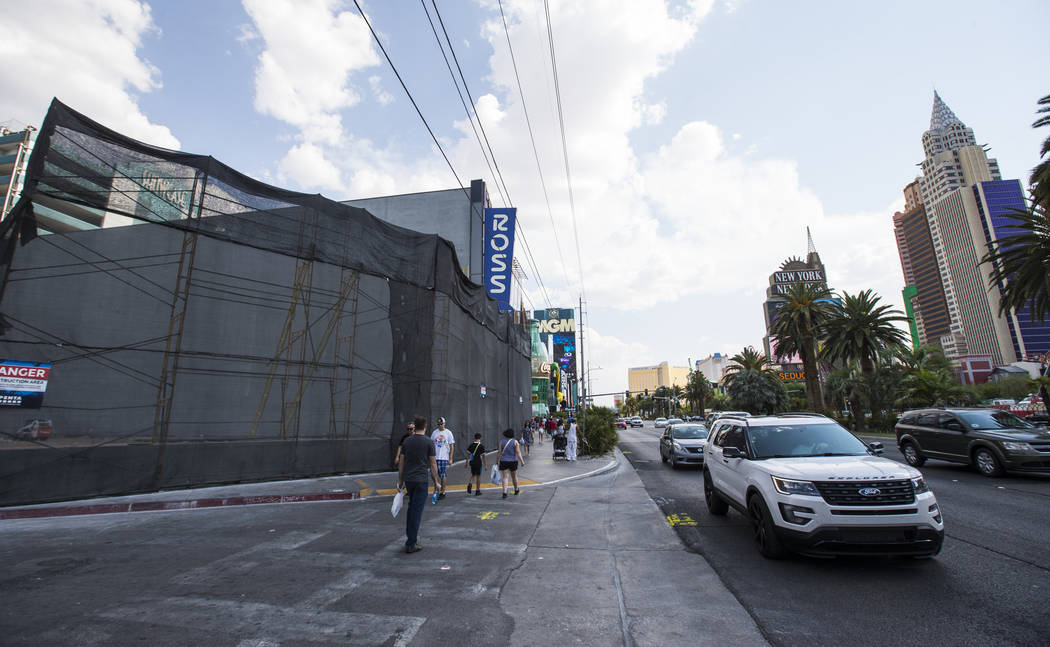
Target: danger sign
[22,384]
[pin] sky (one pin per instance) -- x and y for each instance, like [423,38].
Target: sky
[702,136]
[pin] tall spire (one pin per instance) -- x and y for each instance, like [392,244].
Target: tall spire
[810,247]
[942,114]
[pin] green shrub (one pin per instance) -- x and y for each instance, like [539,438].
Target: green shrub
[599,435]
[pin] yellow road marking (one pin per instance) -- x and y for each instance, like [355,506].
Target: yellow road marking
[680,520]
[485,516]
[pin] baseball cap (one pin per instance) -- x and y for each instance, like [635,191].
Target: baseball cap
[441,420]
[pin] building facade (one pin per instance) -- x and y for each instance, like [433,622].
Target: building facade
[921,272]
[965,203]
[653,377]
[714,367]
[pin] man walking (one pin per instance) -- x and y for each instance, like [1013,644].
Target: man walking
[417,462]
[444,444]
[570,447]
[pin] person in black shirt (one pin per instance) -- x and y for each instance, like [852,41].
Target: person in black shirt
[476,452]
[401,443]
[418,457]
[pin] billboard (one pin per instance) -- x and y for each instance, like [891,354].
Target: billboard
[499,254]
[557,326]
[22,384]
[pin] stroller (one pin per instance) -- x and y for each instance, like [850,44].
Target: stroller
[560,443]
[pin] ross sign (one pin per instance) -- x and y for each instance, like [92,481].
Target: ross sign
[22,384]
[499,254]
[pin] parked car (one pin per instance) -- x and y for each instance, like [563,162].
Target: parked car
[621,423]
[683,444]
[673,421]
[992,440]
[636,421]
[661,423]
[810,486]
[715,415]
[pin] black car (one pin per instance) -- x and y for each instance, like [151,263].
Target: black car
[992,440]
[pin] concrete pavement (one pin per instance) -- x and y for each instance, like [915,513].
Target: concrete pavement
[571,560]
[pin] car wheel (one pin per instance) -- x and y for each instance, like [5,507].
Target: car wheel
[768,543]
[986,462]
[912,455]
[715,504]
[674,462]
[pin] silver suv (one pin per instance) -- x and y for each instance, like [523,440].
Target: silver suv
[810,486]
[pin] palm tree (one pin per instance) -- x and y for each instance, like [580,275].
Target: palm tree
[861,330]
[798,328]
[930,388]
[698,389]
[752,385]
[1040,178]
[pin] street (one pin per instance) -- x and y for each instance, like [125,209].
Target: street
[988,586]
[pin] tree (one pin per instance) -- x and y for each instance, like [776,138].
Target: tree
[798,328]
[752,385]
[925,388]
[1040,178]
[698,390]
[861,330]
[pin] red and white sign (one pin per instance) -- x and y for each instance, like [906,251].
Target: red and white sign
[21,378]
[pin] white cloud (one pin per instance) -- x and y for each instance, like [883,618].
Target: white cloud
[303,74]
[382,96]
[305,164]
[85,52]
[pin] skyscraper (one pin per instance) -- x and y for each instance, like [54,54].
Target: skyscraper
[964,201]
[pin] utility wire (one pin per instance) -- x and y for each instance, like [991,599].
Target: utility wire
[535,151]
[564,146]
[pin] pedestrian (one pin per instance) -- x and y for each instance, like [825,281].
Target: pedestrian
[551,426]
[476,463]
[570,446]
[526,438]
[401,443]
[509,459]
[444,443]
[417,462]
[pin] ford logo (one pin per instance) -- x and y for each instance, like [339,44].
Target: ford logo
[869,491]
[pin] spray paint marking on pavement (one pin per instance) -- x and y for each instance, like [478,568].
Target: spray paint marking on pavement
[485,516]
[680,520]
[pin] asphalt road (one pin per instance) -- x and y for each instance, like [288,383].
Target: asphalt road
[990,585]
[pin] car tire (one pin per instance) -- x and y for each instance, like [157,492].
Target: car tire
[769,545]
[986,462]
[674,462]
[715,504]
[911,455]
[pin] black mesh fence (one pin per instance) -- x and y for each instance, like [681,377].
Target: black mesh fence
[230,330]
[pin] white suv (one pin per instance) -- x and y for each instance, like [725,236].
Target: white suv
[810,486]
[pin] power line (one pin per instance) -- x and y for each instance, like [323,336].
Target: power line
[535,151]
[564,145]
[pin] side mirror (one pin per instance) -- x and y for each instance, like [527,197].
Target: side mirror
[732,452]
[875,447]
[954,426]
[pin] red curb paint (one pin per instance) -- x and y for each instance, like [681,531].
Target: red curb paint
[148,506]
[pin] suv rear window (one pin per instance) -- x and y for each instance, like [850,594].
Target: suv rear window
[824,439]
[992,419]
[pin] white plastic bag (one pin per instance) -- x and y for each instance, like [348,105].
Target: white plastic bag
[399,500]
[495,475]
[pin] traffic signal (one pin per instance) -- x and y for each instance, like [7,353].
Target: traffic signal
[647,393]
[626,396]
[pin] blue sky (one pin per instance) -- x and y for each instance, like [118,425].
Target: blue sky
[703,136]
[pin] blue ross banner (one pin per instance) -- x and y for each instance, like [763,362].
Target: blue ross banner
[499,254]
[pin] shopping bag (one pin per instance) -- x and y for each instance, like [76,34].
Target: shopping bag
[495,476]
[399,500]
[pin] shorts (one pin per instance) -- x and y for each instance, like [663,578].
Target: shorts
[475,468]
[442,468]
[508,465]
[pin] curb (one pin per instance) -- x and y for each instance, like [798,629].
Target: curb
[189,504]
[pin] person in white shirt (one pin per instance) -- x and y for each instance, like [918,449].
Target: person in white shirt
[444,444]
[570,446]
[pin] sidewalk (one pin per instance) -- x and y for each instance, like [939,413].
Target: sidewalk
[573,560]
[543,471]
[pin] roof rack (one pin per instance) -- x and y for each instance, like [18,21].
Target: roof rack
[801,414]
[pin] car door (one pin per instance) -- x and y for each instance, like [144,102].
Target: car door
[665,444]
[950,440]
[924,430]
[713,460]
[733,480]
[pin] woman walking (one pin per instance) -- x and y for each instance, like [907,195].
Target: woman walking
[509,459]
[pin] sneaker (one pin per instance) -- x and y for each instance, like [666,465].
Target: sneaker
[441,496]
[478,492]
[504,495]
[517,492]
[414,549]
[469,486]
